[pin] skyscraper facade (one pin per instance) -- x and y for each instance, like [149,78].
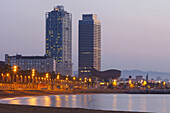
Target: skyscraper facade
[89,45]
[59,39]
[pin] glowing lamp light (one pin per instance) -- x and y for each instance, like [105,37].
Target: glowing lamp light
[58,77]
[46,75]
[80,79]
[102,83]
[66,78]
[130,81]
[89,79]
[115,83]
[85,79]
[144,83]
[74,78]
[132,86]
[33,72]
[7,74]
[15,68]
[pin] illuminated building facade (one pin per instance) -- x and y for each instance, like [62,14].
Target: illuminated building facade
[89,44]
[39,63]
[59,39]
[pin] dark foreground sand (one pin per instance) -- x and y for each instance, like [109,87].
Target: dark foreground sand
[6,108]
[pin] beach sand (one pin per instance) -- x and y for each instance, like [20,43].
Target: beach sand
[6,108]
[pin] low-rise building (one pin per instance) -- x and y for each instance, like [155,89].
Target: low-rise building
[39,63]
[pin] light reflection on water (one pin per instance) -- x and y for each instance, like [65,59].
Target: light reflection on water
[120,102]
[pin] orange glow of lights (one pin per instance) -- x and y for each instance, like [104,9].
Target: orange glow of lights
[15,68]
[58,77]
[7,74]
[85,79]
[66,78]
[89,79]
[74,78]
[102,83]
[80,79]
[47,75]
[144,83]
[33,72]
[130,81]
[115,83]
[132,86]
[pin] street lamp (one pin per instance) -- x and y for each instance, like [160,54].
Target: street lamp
[33,74]
[74,78]
[85,79]
[7,76]
[15,70]
[58,77]
[28,79]
[47,75]
[115,83]
[2,77]
[66,78]
[89,79]
[21,78]
[80,82]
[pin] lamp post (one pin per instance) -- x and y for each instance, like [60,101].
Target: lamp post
[89,81]
[15,70]
[21,78]
[7,76]
[2,77]
[47,75]
[79,82]
[85,80]
[58,77]
[74,78]
[33,74]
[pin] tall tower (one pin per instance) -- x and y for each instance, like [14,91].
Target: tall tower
[59,39]
[89,44]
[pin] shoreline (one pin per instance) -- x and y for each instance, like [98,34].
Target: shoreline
[12,108]
[26,93]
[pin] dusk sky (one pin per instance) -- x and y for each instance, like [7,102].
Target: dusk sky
[135,33]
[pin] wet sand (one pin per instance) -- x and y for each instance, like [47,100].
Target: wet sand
[6,108]
[20,93]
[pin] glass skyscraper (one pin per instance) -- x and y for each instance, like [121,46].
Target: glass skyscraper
[59,39]
[89,45]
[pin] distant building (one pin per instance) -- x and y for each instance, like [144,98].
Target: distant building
[39,63]
[139,78]
[59,39]
[89,45]
[106,75]
[2,63]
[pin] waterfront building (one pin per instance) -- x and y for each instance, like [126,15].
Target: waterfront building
[59,39]
[2,63]
[89,44]
[39,63]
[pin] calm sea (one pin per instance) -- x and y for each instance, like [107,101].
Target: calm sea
[115,102]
